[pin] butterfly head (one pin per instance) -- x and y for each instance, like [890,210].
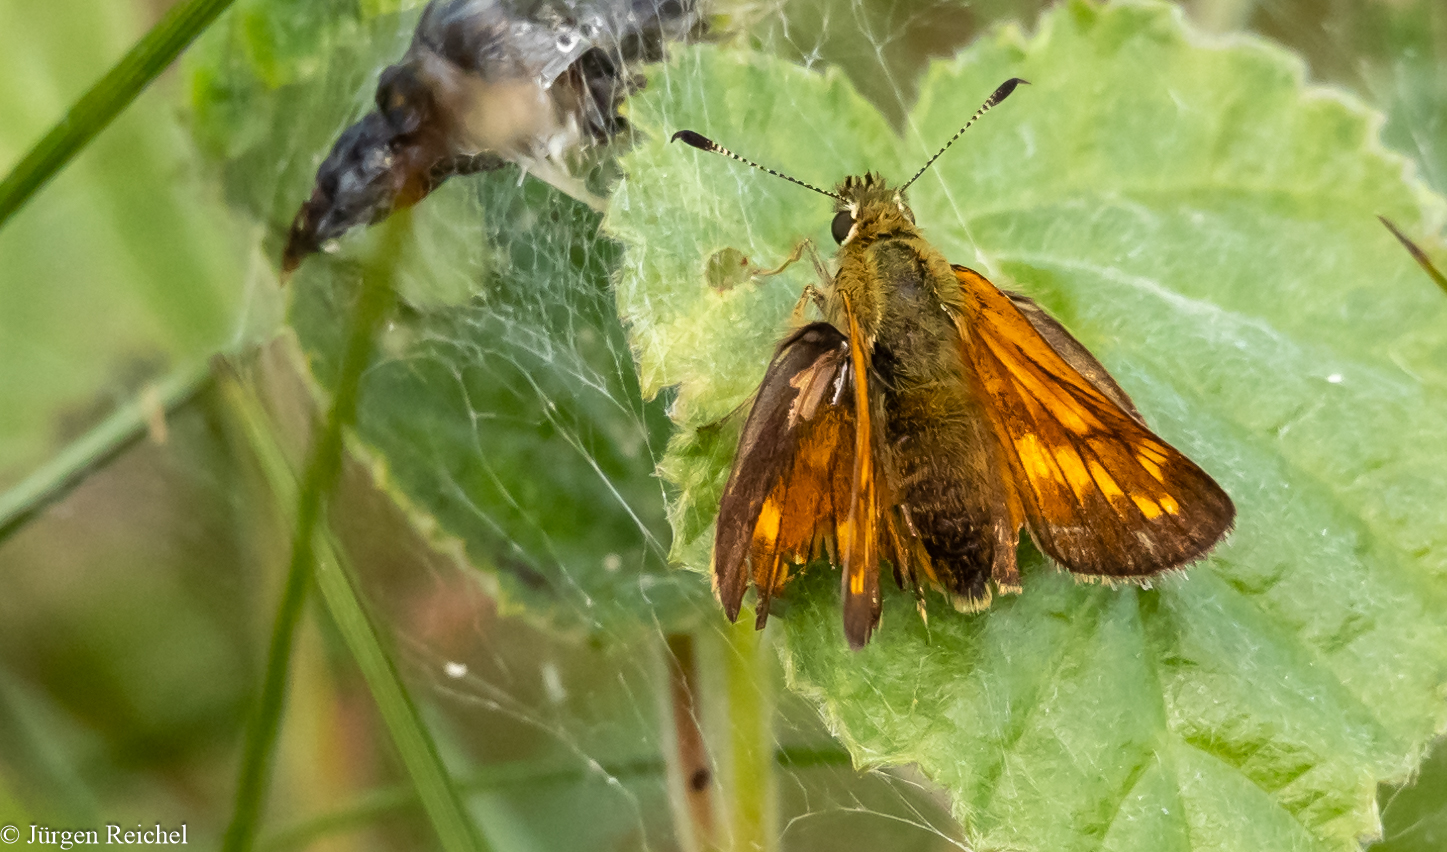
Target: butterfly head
[869,208]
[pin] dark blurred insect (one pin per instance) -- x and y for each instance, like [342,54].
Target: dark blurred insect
[929,417]
[485,84]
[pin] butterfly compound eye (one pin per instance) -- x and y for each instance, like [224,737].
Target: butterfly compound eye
[843,222]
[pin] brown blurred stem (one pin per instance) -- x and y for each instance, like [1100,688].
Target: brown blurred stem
[692,769]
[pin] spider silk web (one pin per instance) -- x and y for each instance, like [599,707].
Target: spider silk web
[502,510]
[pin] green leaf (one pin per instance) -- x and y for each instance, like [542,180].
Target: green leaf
[510,418]
[1205,223]
[1412,817]
[1393,52]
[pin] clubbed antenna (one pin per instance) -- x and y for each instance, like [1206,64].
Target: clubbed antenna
[1000,94]
[703,143]
[1417,254]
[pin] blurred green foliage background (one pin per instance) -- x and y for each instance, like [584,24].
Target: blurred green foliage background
[134,611]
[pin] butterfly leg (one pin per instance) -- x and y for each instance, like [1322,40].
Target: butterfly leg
[789,261]
[793,258]
[812,293]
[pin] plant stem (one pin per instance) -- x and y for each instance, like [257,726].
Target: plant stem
[691,775]
[439,797]
[750,795]
[110,95]
[321,472]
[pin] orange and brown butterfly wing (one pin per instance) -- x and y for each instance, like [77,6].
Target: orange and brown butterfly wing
[781,495]
[799,479]
[1103,495]
[797,429]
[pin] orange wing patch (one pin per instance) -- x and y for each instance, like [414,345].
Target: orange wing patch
[794,517]
[1103,495]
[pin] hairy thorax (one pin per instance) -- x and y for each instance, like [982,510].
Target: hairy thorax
[912,335]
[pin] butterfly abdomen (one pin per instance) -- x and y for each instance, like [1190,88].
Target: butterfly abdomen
[934,434]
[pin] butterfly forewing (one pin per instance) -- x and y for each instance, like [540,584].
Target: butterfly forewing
[1103,495]
[859,532]
[1074,354]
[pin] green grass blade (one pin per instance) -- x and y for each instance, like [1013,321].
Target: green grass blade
[431,783]
[322,467]
[106,99]
[314,550]
[439,796]
[93,449]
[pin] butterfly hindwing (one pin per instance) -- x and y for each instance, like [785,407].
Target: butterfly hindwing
[1103,495]
[788,474]
[804,475]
